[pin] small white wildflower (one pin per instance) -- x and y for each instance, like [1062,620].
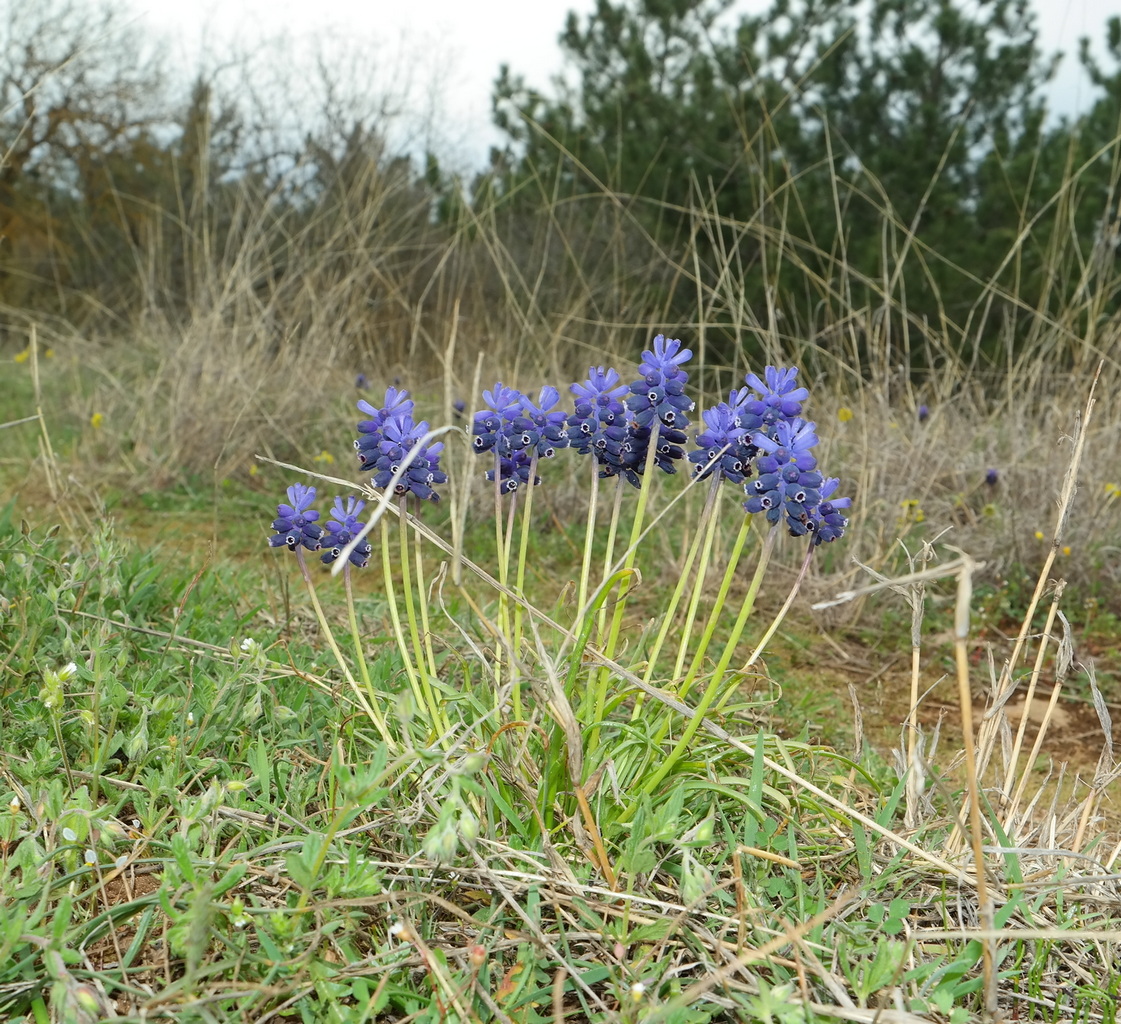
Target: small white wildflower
[638,990]
[14,805]
[67,672]
[121,861]
[190,718]
[249,645]
[238,917]
[91,857]
[69,835]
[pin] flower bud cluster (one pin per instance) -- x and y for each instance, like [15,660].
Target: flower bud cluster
[295,522]
[390,445]
[616,422]
[519,430]
[341,529]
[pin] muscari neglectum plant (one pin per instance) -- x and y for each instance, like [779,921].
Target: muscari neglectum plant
[756,440]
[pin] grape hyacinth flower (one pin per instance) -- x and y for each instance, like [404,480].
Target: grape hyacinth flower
[295,523]
[788,482]
[401,437]
[545,425]
[388,441]
[661,391]
[924,413]
[826,521]
[397,406]
[341,529]
[657,403]
[992,477]
[493,425]
[779,397]
[725,447]
[599,404]
[517,429]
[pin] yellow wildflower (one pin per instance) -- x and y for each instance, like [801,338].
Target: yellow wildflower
[23,356]
[911,512]
[253,469]
[325,456]
[49,354]
[1039,535]
[844,414]
[1066,549]
[1113,491]
[96,420]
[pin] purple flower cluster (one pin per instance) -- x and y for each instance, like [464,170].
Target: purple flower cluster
[341,529]
[788,486]
[295,523]
[519,430]
[616,422]
[296,527]
[756,439]
[759,430]
[390,439]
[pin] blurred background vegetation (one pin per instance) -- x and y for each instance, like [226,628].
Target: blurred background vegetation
[873,192]
[833,157]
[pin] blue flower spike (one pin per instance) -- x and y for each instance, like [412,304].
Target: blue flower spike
[547,429]
[661,391]
[827,522]
[599,402]
[779,396]
[295,522]
[517,428]
[494,424]
[725,446]
[387,442]
[341,529]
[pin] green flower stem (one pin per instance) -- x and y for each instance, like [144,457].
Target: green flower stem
[422,599]
[706,528]
[364,701]
[589,537]
[703,533]
[590,690]
[773,627]
[602,677]
[503,566]
[609,553]
[435,712]
[717,610]
[714,617]
[395,618]
[519,588]
[718,674]
[369,699]
[699,581]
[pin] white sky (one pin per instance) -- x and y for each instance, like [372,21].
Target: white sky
[449,51]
